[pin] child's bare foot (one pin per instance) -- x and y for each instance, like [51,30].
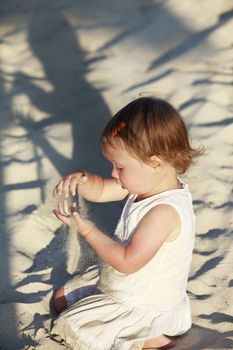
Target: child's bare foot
[162,342]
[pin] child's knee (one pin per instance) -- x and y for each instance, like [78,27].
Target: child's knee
[59,300]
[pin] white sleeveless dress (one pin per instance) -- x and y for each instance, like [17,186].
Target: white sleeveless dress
[125,310]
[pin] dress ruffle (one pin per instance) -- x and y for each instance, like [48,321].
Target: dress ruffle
[100,323]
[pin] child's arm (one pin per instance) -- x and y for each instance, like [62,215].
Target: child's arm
[91,187]
[160,224]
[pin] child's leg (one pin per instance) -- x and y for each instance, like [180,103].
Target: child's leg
[59,300]
[161,342]
[64,298]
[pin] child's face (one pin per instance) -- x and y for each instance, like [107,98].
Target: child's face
[130,173]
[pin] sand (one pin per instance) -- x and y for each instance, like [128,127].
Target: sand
[65,68]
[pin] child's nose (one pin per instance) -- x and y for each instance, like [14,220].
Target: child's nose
[114,173]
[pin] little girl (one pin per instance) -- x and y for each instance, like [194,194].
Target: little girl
[140,299]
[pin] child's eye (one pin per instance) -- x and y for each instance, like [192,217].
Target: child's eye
[118,168]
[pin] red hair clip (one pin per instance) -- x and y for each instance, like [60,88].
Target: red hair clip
[118,128]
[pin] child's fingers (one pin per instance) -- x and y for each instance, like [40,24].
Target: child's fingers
[66,186]
[58,189]
[73,186]
[62,187]
[62,218]
[66,206]
[69,184]
[63,207]
[75,181]
[55,191]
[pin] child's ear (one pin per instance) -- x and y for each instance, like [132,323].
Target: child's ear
[155,161]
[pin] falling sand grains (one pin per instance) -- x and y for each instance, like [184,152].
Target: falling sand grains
[72,242]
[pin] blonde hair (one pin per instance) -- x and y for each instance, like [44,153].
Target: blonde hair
[150,126]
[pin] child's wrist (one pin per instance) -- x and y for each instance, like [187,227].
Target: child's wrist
[84,234]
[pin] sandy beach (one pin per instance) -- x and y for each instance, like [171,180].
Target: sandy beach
[65,68]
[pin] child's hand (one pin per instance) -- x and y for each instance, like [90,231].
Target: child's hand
[84,227]
[69,183]
[63,218]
